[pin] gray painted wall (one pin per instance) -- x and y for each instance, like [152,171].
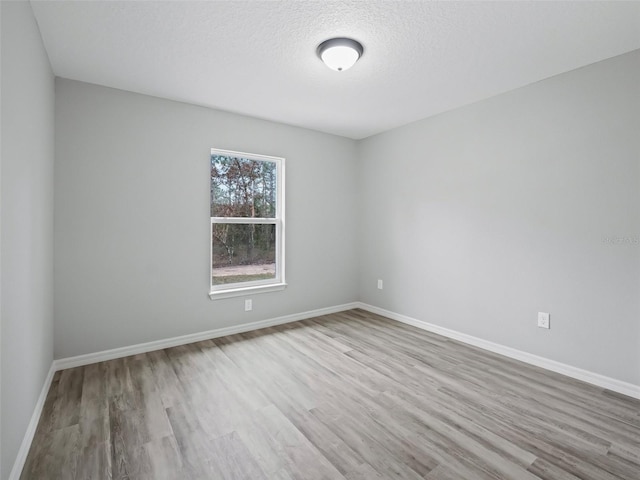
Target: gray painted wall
[478,218]
[26,213]
[132,218]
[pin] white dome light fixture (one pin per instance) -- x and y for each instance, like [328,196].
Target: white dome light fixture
[340,54]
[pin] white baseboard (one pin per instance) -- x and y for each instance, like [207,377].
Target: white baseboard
[89,358]
[18,465]
[558,367]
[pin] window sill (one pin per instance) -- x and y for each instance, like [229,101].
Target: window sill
[244,291]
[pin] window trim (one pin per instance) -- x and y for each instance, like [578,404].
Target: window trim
[256,286]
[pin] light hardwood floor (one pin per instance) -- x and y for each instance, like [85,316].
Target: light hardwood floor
[345,396]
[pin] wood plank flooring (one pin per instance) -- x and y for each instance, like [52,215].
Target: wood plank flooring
[344,396]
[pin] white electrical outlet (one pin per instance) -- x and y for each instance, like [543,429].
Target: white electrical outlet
[248,305]
[543,320]
[379,284]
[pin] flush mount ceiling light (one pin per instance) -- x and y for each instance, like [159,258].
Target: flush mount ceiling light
[340,53]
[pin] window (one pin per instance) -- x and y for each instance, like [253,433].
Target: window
[247,223]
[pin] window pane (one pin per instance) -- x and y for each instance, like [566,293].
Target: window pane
[241,187]
[243,252]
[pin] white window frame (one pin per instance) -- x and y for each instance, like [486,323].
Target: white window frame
[256,286]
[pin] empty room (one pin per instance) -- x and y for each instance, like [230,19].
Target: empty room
[337,240]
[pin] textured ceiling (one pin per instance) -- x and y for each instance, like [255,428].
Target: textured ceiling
[258,58]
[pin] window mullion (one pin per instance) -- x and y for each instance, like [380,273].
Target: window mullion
[245,220]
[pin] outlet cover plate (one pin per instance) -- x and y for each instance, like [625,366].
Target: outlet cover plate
[543,320]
